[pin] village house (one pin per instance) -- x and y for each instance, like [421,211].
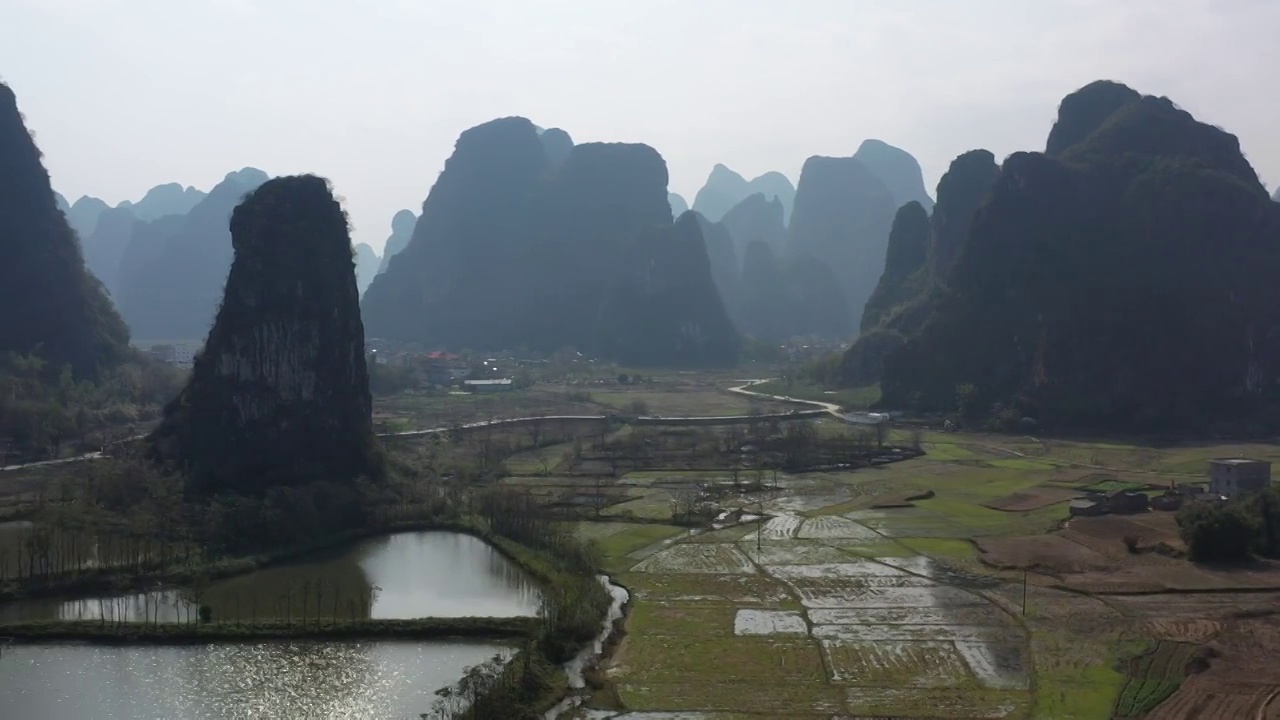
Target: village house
[489,386]
[1232,477]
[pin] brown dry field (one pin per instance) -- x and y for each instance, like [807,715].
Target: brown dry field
[1032,499]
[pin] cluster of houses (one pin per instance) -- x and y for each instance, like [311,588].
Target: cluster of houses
[179,354]
[443,368]
[1228,478]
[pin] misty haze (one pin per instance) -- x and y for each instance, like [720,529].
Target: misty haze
[713,360]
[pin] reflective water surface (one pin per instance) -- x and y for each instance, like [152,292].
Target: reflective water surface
[302,680]
[400,576]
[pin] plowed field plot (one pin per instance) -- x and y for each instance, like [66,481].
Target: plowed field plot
[769,622]
[1196,630]
[895,664]
[807,503]
[1032,499]
[909,522]
[1202,698]
[720,700]
[697,558]
[834,526]
[661,659]
[986,615]
[1052,552]
[833,593]
[783,527]
[852,569]
[1001,665]
[905,633]
[792,552]
[934,703]
[728,589]
[705,619]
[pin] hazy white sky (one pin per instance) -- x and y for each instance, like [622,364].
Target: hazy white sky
[127,94]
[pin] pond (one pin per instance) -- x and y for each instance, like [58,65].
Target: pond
[362,680]
[401,576]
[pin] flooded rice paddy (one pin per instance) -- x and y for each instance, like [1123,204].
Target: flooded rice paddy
[895,635]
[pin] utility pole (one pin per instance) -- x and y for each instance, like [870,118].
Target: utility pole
[1024,592]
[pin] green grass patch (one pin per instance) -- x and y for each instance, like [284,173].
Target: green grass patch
[616,546]
[1152,677]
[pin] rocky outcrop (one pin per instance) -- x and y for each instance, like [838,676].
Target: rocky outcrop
[961,191]
[663,311]
[1124,281]
[280,394]
[842,218]
[898,170]
[757,219]
[678,205]
[457,281]
[557,144]
[1276,195]
[904,265]
[511,253]
[172,274]
[49,303]
[1084,111]
[401,230]
[367,262]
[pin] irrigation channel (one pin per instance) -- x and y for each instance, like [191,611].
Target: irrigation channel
[400,576]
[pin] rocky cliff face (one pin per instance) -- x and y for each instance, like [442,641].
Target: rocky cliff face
[904,264]
[367,262]
[757,219]
[776,186]
[280,394]
[49,302]
[171,275]
[961,191]
[401,230]
[662,311]
[511,252]
[898,170]
[1126,280]
[458,266]
[842,218]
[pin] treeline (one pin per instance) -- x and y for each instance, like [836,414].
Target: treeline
[43,409]
[1234,530]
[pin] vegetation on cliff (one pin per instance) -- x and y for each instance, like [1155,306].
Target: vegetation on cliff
[50,304]
[514,251]
[1125,281]
[280,393]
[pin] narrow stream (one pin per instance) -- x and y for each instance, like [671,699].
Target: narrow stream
[576,667]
